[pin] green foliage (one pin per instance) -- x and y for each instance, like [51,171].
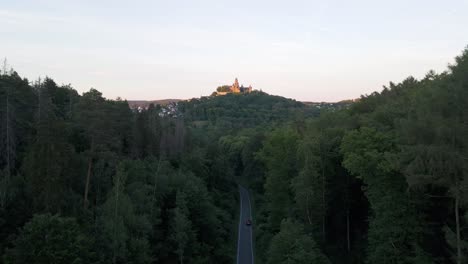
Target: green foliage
[433,138]
[279,155]
[292,245]
[117,219]
[63,151]
[50,157]
[224,88]
[51,239]
[235,111]
[383,181]
[393,231]
[181,227]
[16,123]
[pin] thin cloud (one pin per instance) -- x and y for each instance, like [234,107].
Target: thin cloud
[16,17]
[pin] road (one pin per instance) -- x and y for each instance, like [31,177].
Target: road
[244,241]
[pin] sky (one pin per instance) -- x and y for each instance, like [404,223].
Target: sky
[306,50]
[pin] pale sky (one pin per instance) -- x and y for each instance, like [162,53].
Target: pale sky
[306,50]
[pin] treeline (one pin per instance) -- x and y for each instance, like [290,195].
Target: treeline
[384,181]
[84,179]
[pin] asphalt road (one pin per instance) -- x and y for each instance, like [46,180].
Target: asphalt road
[244,243]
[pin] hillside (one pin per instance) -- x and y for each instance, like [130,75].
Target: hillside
[244,110]
[146,103]
[331,105]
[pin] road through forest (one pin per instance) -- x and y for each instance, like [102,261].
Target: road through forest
[244,243]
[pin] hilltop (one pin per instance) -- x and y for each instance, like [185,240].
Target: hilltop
[252,106]
[243,109]
[235,88]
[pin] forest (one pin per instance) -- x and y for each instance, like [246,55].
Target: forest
[85,179]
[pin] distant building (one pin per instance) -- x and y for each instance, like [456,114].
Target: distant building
[234,88]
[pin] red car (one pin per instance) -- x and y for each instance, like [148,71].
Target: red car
[248,222]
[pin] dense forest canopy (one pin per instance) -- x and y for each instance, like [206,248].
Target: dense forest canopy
[384,179]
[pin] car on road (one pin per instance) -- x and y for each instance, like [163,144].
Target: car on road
[248,222]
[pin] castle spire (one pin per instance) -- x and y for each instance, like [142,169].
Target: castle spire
[235,87]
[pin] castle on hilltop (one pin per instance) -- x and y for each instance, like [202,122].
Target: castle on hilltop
[234,88]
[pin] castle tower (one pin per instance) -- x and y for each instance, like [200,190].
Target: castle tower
[235,87]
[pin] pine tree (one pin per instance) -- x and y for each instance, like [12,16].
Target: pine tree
[8,136]
[181,227]
[15,128]
[291,245]
[49,158]
[117,211]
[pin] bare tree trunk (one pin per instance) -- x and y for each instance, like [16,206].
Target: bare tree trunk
[89,174]
[457,220]
[70,104]
[48,188]
[348,205]
[347,231]
[307,209]
[117,192]
[39,104]
[4,67]
[155,186]
[323,198]
[8,149]
[8,131]
[88,178]
[457,208]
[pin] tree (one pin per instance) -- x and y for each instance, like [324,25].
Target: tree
[49,158]
[279,155]
[15,127]
[291,245]
[117,212]
[91,118]
[125,226]
[51,239]
[435,145]
[103,129]
[393,232]
[9,144]
[317,152]
[147,132]
[181,227]
[224,88]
